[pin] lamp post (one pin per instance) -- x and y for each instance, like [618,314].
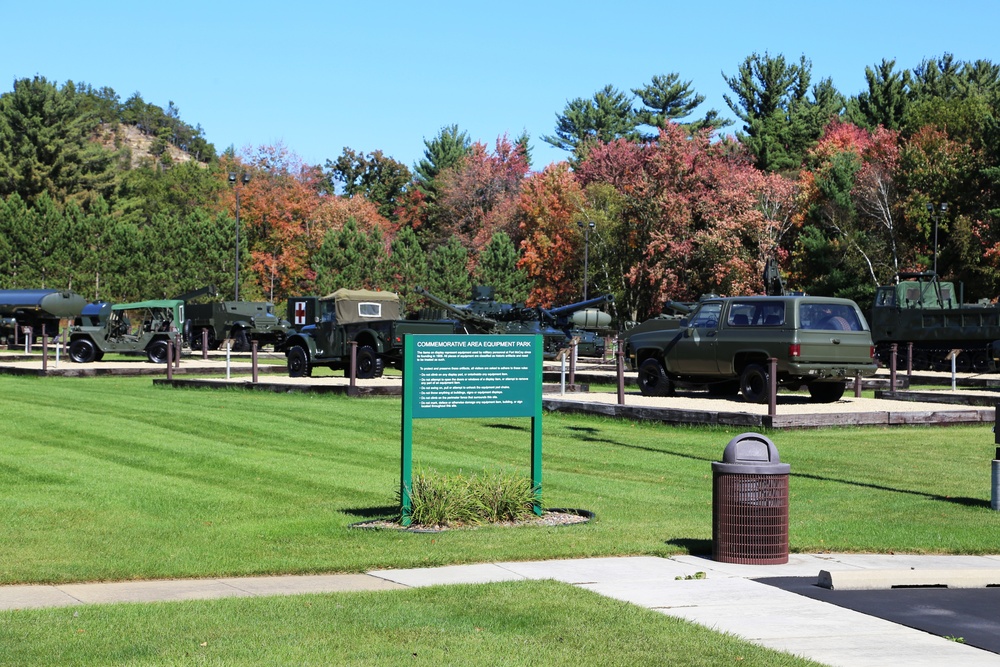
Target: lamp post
[943,208]
[244,178]
[586,253]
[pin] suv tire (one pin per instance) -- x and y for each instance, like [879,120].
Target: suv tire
[755,383]
[653,380]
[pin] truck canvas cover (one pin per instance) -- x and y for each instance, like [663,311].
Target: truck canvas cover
[364,305]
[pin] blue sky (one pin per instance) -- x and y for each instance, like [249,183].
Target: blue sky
[319,76]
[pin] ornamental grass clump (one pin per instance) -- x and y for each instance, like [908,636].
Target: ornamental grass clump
[442,500]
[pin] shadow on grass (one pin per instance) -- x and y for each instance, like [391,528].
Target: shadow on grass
[956,500]
[507,427]
[695,547]
[373,512]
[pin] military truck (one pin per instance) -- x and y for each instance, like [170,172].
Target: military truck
[926,311]
[326,326]
[242,322]
[143,327]
[40,309]
[724,343]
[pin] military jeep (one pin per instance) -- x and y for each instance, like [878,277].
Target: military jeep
[144,327]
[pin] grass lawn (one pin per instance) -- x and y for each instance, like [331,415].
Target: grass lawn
[522,623]
[112,478]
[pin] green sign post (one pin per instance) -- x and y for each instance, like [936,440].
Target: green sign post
[470,376]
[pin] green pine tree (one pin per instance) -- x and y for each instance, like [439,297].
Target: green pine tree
[406,267]
[497,268]
[447,276]
[45,145]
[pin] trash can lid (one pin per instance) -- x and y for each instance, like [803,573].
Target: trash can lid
[751,453]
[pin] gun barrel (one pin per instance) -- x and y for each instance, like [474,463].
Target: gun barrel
[581,305]
[486,324]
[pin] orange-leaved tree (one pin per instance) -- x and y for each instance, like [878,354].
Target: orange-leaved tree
[552,245]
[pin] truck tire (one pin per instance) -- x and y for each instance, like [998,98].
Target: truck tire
[298,363]
[653,380]
[157,352]
[826,392]
[196,339]
[82,351]
[755,383]
[240,341]
[370,365]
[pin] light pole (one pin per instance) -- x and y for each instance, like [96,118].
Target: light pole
[586,253]
[943,207]
[245,178]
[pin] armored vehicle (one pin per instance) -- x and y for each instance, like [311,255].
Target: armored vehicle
[725,343]
[40,309]
[242,322]
[326,326]
[144,327]
[925,311]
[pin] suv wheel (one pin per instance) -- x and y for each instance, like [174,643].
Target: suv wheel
[653,380]
[755,384]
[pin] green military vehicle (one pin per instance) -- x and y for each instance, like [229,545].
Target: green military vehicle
[725,343]
[144,327]
[326,326]
[242,322]
[928,312]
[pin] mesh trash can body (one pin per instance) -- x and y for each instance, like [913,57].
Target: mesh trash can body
[750,503]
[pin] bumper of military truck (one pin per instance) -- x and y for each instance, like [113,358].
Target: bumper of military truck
[831,371]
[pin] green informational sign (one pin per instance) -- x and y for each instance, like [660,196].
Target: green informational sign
[471,376]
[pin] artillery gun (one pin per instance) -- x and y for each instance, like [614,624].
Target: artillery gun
[40,309]
[486,316]
[584,322]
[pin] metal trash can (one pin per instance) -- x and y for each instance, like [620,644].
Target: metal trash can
[750,503]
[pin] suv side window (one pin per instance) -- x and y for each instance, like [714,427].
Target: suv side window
[751,314]
[707,317]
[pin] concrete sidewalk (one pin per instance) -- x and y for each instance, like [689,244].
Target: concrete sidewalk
[726,598]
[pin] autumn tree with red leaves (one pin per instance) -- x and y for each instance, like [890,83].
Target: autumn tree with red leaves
[480,195]
[550,203]
[276,210]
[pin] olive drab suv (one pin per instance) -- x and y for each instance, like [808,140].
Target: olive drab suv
[725,343]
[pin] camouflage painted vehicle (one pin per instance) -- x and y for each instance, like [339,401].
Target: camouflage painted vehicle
[326,326]
[724,343]
[144,327]
[926,311]
[40,309]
